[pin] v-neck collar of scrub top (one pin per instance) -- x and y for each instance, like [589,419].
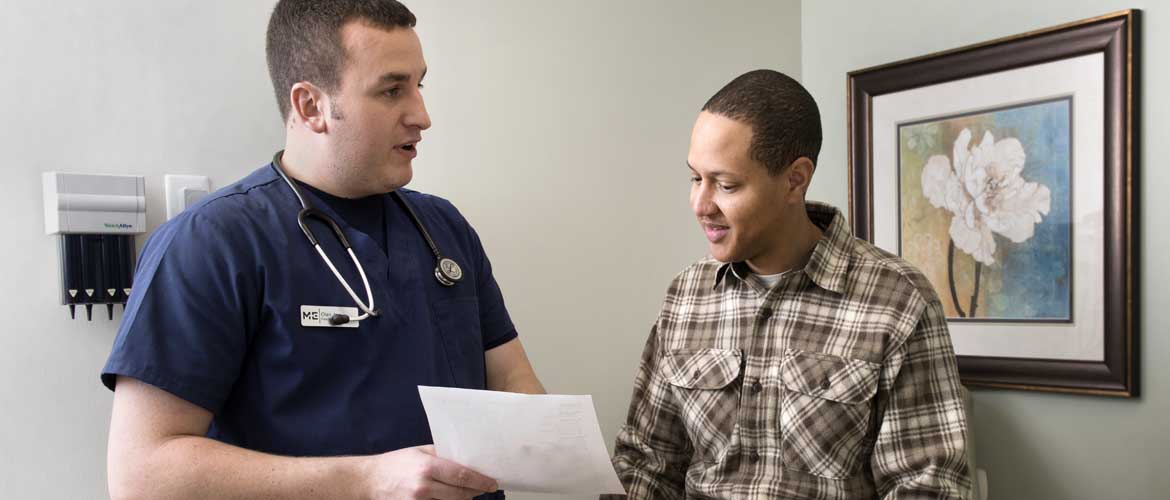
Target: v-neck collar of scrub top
[393,270]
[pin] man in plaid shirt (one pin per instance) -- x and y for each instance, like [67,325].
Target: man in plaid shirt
[797,361]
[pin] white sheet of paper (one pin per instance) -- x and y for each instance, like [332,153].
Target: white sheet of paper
[531,443]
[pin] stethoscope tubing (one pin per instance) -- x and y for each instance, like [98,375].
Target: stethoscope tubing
[447,271]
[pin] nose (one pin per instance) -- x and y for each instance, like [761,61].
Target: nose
[417,115]
[701,202]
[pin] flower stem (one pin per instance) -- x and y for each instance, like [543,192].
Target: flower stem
[975,294]
[951,277]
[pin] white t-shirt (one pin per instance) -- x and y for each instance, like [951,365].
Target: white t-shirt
[770,280]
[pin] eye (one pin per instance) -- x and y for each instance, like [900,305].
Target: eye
[727,188]
[393,91]
[420,86]
[695,179]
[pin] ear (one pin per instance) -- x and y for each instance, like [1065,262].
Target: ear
[308,106]
[797,177]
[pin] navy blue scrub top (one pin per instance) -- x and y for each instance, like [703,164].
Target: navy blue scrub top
[214,319]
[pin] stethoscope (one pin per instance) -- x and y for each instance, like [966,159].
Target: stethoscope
[447,271]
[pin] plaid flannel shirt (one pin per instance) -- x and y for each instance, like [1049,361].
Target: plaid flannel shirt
[839,382]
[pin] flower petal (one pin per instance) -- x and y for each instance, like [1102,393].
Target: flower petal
[1008,158]
[1018,215]
[981,157]
[957,199]
[977,240]
[983,203]
[959,154]
[936,175]
[987,145]
[975,179]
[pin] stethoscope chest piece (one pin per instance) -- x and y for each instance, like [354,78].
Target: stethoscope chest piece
[448,272]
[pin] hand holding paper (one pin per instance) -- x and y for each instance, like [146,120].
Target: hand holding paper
[534,443]
[411,472]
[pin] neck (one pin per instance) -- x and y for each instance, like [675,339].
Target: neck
[792,250]
[310,165]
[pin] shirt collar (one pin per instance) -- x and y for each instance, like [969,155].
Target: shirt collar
[829,262]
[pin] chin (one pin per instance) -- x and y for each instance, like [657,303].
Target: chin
[398,177]
[722,254]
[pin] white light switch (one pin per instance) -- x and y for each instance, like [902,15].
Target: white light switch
[184,190]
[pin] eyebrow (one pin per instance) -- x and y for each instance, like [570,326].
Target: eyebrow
[396,77]
[716,173]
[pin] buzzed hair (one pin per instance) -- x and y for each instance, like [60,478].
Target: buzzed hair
[304,40]
[784,118]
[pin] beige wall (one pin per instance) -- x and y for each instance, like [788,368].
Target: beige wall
[1033,446]
[560,130]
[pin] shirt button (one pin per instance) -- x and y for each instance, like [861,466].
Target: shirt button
[695,375]
[757,387]
[754,457]
[766,313]
[825,384]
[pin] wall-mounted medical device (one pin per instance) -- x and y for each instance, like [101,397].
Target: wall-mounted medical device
[96,217]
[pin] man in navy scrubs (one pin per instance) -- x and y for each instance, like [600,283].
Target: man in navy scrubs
[222,388]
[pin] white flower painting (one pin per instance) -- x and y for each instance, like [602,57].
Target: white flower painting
[986,218]
[982,189]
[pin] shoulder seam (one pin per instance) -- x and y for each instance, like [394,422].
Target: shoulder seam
[241,193]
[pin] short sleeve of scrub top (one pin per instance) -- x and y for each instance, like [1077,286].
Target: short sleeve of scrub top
[186,329]
[214,319]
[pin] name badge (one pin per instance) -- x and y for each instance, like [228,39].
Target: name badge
[320,315]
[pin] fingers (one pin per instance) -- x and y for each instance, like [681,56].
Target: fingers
[440,491]
[453,474]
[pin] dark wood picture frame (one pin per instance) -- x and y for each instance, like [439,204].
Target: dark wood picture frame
[1115,35]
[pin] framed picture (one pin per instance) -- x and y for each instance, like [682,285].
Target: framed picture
[1005,171]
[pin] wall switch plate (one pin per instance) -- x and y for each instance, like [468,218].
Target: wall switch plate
[183,191]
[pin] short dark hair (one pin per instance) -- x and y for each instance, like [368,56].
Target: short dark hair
[304,39]
[785,121]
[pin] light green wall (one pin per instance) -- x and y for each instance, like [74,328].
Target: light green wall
[1033,446]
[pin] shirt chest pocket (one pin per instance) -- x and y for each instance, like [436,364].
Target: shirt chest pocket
[704,383]
[825,413]
[458,323]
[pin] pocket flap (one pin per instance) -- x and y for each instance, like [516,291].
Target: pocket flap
[702,368]
[844,380]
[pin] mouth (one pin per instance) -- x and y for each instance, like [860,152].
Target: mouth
[714,232]
[408,149]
